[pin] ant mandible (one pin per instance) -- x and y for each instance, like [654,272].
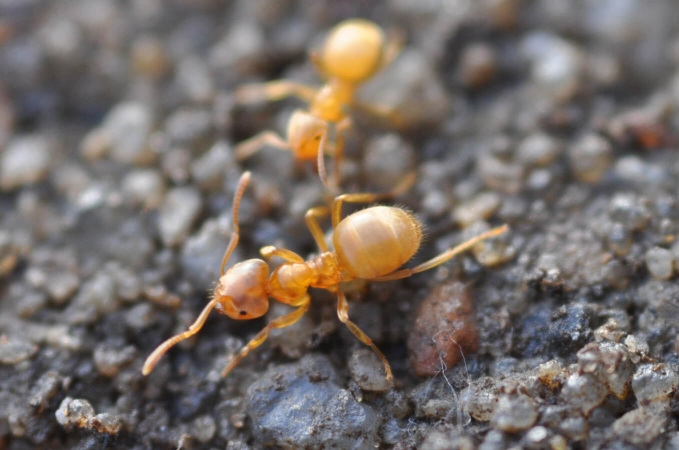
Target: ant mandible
[370,244]
[354,51]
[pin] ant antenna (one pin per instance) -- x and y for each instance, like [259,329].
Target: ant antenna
[158,353]
[240,189]
[322,173]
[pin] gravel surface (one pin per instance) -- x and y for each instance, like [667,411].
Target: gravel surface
[117,173]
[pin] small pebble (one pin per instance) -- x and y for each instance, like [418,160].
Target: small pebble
[619,239]
[44,390]
[514,413]
[61,285]
[539,179]
[637,346]
[209,170]
[109,361]
[481,207]
[590,157]
[636,171]
[501,175]
[74,413]
[14,351]
[148,56]
[293,341]
[411,87]
[610,363]
[106,423]
[368,371]
[490,252]
[391,432]
[654,382]
[659,262]
[536,436]
[240,50]
[550,374]
[24,161]
[144,187]
[630,209]
[176,165]
[195,80]
[437,409]
[642,426]
[8,253]
[128,283]
[387,159]
[584,392]
[188,127]
[203,429]
[178,213]
[494,439]
[674,249]
[125,133]
[556,63]
[538,150]
[477,65]
[437,439]
[480,402]
[202,254]
[139,316]
[96,296]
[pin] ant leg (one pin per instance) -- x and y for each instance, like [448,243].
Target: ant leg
[392,49]
[280,322]
[311,217]
[343,314]
[273,91]
[317,61]
[254,144]
[270,251]
[445,256]
[383,112]
[402,187]
[195,327]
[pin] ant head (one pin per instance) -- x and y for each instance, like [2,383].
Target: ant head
[304,134]
[353,50]
[242,292]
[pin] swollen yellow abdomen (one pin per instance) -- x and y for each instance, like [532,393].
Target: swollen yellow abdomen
[376,241]
[353,50]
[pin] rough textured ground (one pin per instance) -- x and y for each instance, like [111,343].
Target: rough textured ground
[117,127]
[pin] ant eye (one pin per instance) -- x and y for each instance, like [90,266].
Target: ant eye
[243,313]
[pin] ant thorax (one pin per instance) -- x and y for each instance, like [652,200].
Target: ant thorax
[290,281]
[331,100]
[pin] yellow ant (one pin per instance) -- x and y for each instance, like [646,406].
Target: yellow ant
[354,51]
[370,244]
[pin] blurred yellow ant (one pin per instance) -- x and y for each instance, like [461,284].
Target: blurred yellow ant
[354,51]
[370,244]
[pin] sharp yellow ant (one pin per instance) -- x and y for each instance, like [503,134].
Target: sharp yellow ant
[354,51]
[370,244]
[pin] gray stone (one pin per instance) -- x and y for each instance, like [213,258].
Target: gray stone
[514,413]
[299,406]
[652,382]
[178,214]
[24,161]
[368,371]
